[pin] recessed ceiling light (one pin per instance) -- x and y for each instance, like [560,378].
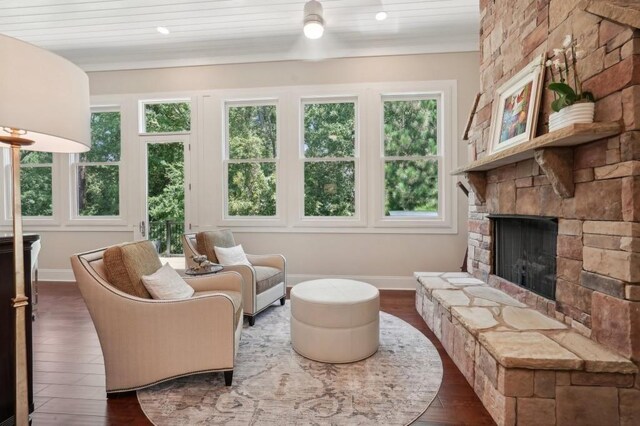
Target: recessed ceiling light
[163,30]
[381,16]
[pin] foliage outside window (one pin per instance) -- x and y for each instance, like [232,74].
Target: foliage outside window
[168,117]
[98,171]
[165,195]
[252,151]
[411,157]
[36,176]
[329,159]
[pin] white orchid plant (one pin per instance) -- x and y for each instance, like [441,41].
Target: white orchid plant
[565,83]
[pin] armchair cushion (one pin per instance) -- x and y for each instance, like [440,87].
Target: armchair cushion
[236,299]
[167,284]
[126,264]
[267,277]
[206,241]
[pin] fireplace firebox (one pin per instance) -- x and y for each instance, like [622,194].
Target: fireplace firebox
[524,252]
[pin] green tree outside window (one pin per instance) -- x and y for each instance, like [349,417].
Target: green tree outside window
[36,183]
[251,168]
[410,149]
[98,170]
[329,150]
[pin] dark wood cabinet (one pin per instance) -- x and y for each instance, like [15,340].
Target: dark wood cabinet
[7,321]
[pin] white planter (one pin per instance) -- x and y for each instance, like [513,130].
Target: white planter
[576,113]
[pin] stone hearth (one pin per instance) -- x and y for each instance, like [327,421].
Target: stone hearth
[527,368]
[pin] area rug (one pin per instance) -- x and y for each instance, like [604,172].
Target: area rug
[273,385]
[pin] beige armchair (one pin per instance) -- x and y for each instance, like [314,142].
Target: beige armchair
[146,341]
[264,281]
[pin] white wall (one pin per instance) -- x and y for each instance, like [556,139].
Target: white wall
[388,260]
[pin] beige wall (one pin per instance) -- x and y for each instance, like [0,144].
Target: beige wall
[388,255]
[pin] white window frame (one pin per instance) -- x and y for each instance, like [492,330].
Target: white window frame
[142,122]
[75,163]
[446,219]
[358,219]
[227,219]
[46,221]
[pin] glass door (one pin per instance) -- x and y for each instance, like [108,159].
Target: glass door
[165,191]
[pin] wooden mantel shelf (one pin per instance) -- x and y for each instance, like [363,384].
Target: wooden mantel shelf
[552,151]
[575,134]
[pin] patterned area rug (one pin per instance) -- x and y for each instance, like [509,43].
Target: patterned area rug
[273,385]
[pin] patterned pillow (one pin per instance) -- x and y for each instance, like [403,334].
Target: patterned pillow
[206,241]
[127,263]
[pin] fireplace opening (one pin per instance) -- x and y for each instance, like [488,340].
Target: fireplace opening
[524,252]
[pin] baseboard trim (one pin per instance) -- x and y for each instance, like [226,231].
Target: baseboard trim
[380,282]
[65,275]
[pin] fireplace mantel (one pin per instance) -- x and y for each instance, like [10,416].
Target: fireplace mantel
[552,151]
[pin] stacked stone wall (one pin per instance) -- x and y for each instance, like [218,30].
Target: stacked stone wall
[598,263]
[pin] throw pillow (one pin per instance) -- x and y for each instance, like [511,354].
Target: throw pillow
[127,263]
[228,256]
[207,240]
[166,284]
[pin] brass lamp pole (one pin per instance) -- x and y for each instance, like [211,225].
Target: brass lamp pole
[46,110]
[20,301]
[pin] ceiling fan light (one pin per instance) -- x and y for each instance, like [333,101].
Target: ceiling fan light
[313,22]
[313,29]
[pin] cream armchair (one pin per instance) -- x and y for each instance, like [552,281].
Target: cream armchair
[146,341]
[264,281]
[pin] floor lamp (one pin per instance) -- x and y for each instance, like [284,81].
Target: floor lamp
[44,107]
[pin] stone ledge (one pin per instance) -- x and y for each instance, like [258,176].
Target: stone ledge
[515,335]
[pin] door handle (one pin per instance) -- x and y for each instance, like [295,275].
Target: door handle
[143,229]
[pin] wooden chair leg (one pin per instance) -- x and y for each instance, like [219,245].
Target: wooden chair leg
[282,300]
[228,378]
[252,320]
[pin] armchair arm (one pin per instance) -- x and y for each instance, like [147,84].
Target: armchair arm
[248,286]
[272,260]
[221,281]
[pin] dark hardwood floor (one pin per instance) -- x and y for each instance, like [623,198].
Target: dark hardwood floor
[69,372]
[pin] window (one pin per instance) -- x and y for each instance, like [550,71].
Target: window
[412,157]
[251,160]
[329,150]
[98,171]
[36,176]
[166,117]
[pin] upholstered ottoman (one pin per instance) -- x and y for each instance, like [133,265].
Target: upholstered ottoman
[335,320]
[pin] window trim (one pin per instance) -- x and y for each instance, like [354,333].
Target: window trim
[446,221]
[226,219]
[142,118]
[44,221]
[75,219]
[359,218]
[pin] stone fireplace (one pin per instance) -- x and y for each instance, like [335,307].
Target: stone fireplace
[562,346]
[598,245]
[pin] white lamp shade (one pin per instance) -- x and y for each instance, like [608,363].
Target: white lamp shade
[45,96]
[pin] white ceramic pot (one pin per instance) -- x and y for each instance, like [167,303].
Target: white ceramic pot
[576,113]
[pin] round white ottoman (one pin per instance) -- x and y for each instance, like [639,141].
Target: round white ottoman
[335,320]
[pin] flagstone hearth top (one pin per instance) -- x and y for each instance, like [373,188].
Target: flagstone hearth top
[514,334]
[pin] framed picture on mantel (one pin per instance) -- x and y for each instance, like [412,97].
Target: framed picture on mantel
[516,106]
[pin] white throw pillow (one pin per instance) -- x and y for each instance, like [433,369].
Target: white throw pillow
[228,256]
[167,284]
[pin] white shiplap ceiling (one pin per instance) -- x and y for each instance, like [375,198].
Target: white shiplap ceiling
[121,34]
